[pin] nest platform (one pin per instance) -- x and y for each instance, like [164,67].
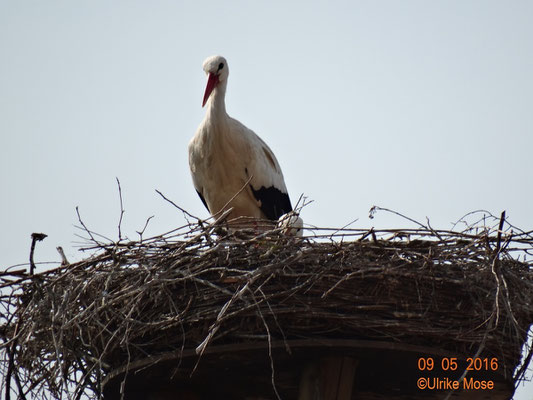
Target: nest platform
[232,316]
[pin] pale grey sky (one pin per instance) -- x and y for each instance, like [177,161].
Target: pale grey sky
[421,106]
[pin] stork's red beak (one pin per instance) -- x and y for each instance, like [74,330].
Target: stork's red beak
[212,82]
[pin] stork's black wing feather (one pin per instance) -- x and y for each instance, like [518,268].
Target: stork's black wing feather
[203,200]
[274,203]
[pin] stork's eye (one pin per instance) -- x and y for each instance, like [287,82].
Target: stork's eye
[220,66]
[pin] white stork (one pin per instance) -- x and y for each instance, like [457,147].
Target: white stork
[231,166]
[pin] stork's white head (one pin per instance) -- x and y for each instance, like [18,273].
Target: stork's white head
[216,68]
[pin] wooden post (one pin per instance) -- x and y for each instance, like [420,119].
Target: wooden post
[331,378]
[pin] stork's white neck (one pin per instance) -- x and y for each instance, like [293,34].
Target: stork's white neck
[216,105]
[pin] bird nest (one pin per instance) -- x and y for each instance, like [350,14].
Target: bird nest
[466,291]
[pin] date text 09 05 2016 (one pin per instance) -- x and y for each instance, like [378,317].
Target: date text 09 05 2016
[451,364]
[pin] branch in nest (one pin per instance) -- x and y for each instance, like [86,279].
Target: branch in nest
[35,237]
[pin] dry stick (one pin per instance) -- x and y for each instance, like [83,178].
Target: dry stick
[302,199]
[500,229]
[377,208]
[365,235]
[178,207]
[121,210]
[269,338]
[345,226]
[433,230]
[506,289]
[100,245]
[469,226]
[141,233]
[495,266]
[287,347]
[206,230]
[216,325]
[79,391]
[126,343]
[10,367]
[19,386]
[35,237]
[11,351]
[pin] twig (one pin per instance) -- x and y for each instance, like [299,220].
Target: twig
[86,229]
[11,351]
[495,267]
[141,233]
[469,226]
[346,226]
[35,237]
[178,207]
[121,210]
[499,236]
[269,339]
[433,230]
[374,209]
